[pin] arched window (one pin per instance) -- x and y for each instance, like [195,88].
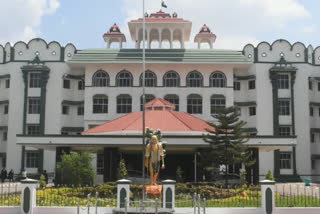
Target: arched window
[217,80]
[217,102]
[100,79]
[194,79]
[100,104]
[174,99]
[171,79]
[124,79]
[124,104]
[149,97]
[150,79]
[194,104]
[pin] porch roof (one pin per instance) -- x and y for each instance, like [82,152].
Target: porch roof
[134,141]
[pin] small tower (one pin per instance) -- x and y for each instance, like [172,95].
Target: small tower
[205,36]
[114,35]
[160,27]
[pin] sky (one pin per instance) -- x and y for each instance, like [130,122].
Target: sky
[235,22]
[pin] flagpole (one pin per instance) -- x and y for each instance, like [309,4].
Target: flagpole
[143,96]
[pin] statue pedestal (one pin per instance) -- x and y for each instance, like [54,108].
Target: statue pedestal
[154,191]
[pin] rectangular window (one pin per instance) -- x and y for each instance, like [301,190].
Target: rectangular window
[236,86]
[252,84]
[310,85]
[285,160]
[100,105]
[319,111]
[33,129]
[194,106]
[217,104]
[6,109]
[239,111]
[90,126]
[81,85]
[283,81]
[318,86]
[5,136]
[35,79]
[312,137]
[34,105]
[32,159]
[252,110]
[65,109]
[80,110]
[311,111]
[66,84]
[100,163]
[284,131]
[284,107]
[7,83]
[313,164]
[124,104]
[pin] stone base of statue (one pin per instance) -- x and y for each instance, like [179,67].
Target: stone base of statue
[154,191]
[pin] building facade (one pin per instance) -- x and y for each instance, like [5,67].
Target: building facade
[50,92]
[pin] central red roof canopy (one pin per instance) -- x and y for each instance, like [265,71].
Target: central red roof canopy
[159,115]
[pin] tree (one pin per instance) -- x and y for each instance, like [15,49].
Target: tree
[75,169]
[227,140]
[122,170]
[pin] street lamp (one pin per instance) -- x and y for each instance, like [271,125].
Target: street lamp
[143,96]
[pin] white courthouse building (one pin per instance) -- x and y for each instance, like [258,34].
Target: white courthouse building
[50,94]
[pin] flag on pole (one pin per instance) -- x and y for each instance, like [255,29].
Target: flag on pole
[163,4]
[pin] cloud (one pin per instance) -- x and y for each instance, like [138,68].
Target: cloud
[235,22]
[21,19]
[309,29]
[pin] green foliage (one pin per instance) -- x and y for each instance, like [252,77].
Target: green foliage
[75,169]
[227,140]
[149,133]
[43,183]
[179,174]
[122,170]
[243,174]
[269,176]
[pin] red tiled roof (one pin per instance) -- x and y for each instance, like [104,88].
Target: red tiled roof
[165,120]
[159,102]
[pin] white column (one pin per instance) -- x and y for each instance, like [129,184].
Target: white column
[148,39]
[171,39]
[267,196]
[108,44]
[123,193]
[137,38]
[199,44]
[121,44]
[28,196]
[182,39]
[160,38]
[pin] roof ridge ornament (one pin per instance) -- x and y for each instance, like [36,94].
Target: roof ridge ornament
[36,61]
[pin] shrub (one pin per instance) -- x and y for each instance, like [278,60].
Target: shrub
[269,176]
[122,170]
[43,183]
[243,174]
[75,169]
